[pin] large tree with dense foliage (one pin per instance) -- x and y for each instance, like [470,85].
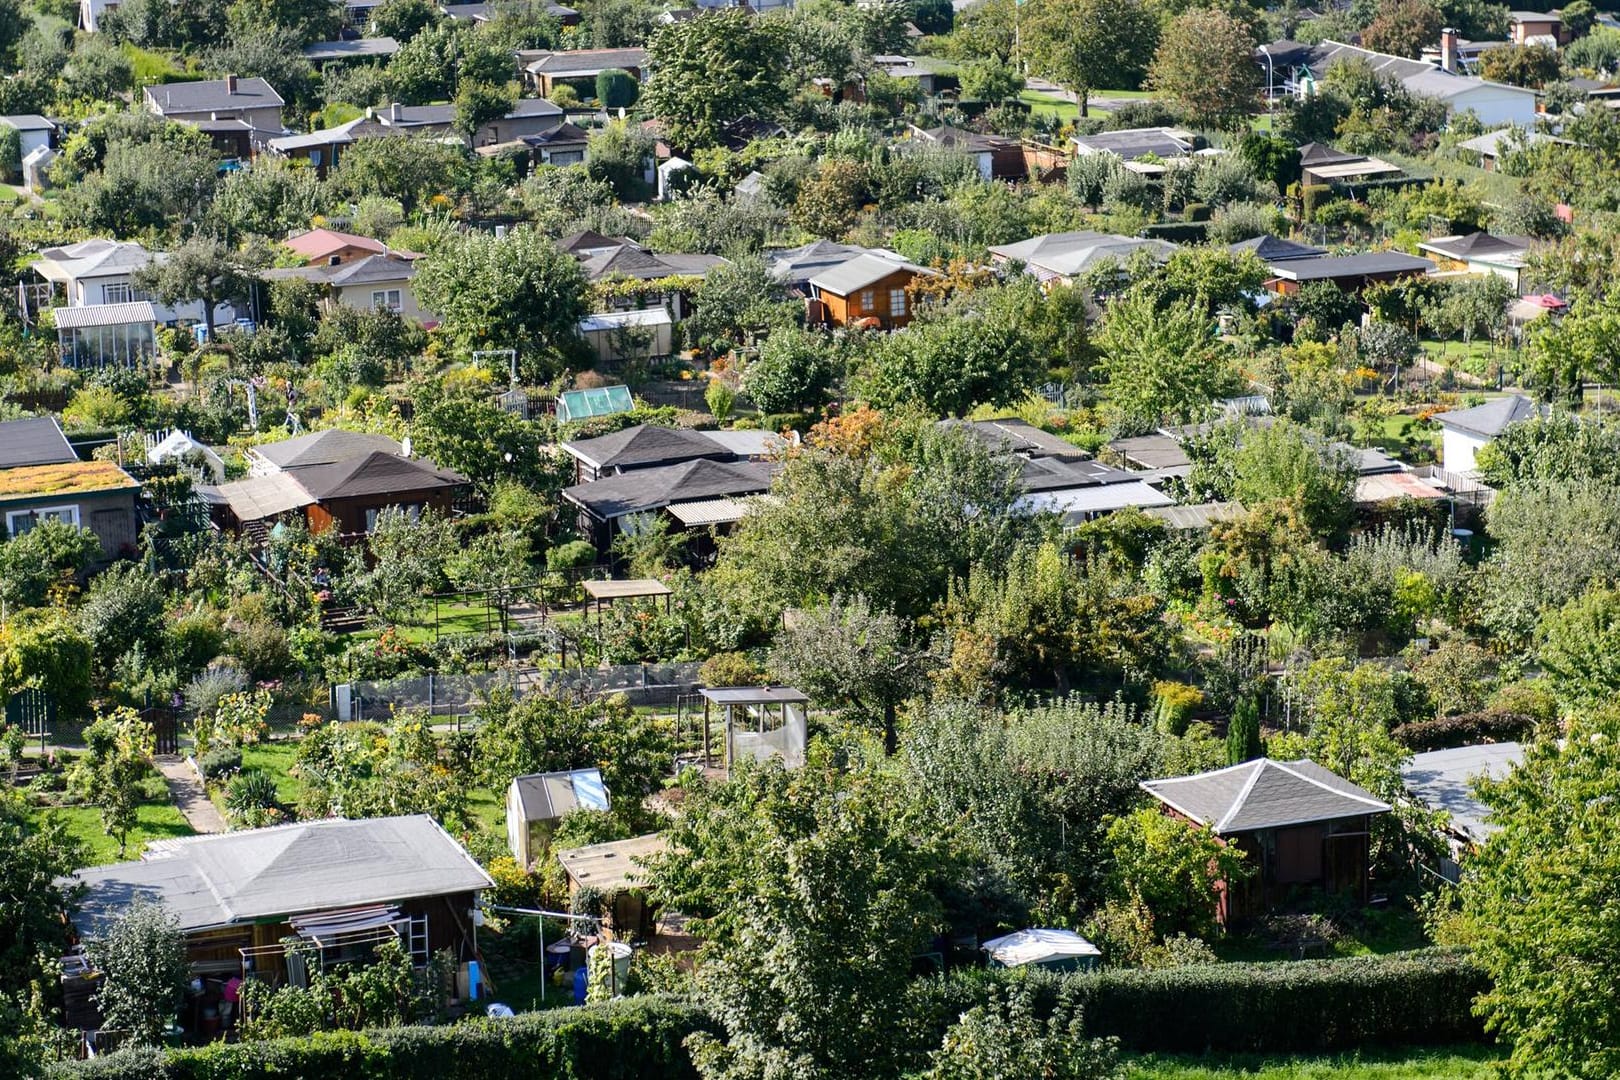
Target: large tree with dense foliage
[1205,69]
[709,72]
[1160,362]
[1538,901]
[954,359]
[518,291]
[811,900]
[1404,27]
[1087,45]
[203,268]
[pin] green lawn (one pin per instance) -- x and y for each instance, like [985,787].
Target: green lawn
[154,821]
[1049,105]
[1453,1063]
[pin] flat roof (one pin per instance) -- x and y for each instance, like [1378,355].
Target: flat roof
[1444,780]
[1384,487]
[708,511]
[614,866]
[1343,266]
[626,588]
[755,695]
[90,316]
[62,479]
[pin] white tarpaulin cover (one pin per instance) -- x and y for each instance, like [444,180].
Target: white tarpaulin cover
[1038,947]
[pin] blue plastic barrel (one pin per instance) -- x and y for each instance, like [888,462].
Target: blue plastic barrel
[581,978]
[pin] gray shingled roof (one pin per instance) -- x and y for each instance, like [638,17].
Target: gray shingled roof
[1491,418]
[1264,794]
[1062,474]
[1016,436]
[587,61]
[1274,249]
[855,274]
[211,95]
[36,441]
[378,473]
[1444,780]
[351,50]
[643,490]
[1477,245]
[645,445]
[323,448]
[240,877]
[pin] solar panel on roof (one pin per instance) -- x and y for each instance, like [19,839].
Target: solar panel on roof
[599,401]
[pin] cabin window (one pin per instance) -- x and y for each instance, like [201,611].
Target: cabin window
[865,300]
[20,521]
[897,302]
[385,298]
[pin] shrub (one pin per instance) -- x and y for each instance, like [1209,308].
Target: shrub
[638,1037]
[728,669]
[1465,729]
[250,798]
[220,762]
[574,555]
[616,88]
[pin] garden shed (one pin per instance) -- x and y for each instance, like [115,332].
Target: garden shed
[759,722]
[537,802]
[1301,825]
[617,872]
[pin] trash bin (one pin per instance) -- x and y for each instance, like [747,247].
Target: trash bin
[581,982]
[621,963]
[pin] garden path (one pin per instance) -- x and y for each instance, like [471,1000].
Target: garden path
[188,794]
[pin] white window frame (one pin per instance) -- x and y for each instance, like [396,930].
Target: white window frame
[866,300]
[897,303]
[68,513]
[386,298]
[125,292]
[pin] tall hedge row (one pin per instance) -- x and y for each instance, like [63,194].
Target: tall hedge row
[1403,999]
[635,1039]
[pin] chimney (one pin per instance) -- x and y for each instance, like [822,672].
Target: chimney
[230,84]
[396,111]
[371,114]
[1448,50]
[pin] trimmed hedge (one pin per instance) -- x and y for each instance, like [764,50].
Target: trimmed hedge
[1309,1006]
[1466,729]
[634,1039]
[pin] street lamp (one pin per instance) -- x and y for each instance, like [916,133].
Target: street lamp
[1271,79]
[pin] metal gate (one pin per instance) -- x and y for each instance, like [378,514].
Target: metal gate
[32,710]
[165,727]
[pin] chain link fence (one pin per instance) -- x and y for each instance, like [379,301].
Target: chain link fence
[459,695]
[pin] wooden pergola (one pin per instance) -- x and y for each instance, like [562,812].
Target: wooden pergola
[599,592]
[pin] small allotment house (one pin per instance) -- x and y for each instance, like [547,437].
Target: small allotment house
[1300,825]
[868,290]
[537,802]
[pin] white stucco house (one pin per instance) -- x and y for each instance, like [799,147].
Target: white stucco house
[1465,431]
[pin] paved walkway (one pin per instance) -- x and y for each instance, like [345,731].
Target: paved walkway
[188,794]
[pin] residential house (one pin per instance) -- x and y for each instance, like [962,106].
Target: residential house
[33,131]
[536,803]
[373,282]
[1296,68]
[230,109]
[328,247]
[324,148]
[1536,28]
[996,158]
[1445,782]
[102,272]
[564,145]
[529,116]
[545,70]
[1066,257]
[1480,253]
[1464,432]
[42,478]
[868,290]
[1301,827]
[336,481]
[627,260]
[348,50]
[1352,273]
[335,888]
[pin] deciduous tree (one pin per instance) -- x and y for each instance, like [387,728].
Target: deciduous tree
[1205,69]
[709,72]
[1088,45]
